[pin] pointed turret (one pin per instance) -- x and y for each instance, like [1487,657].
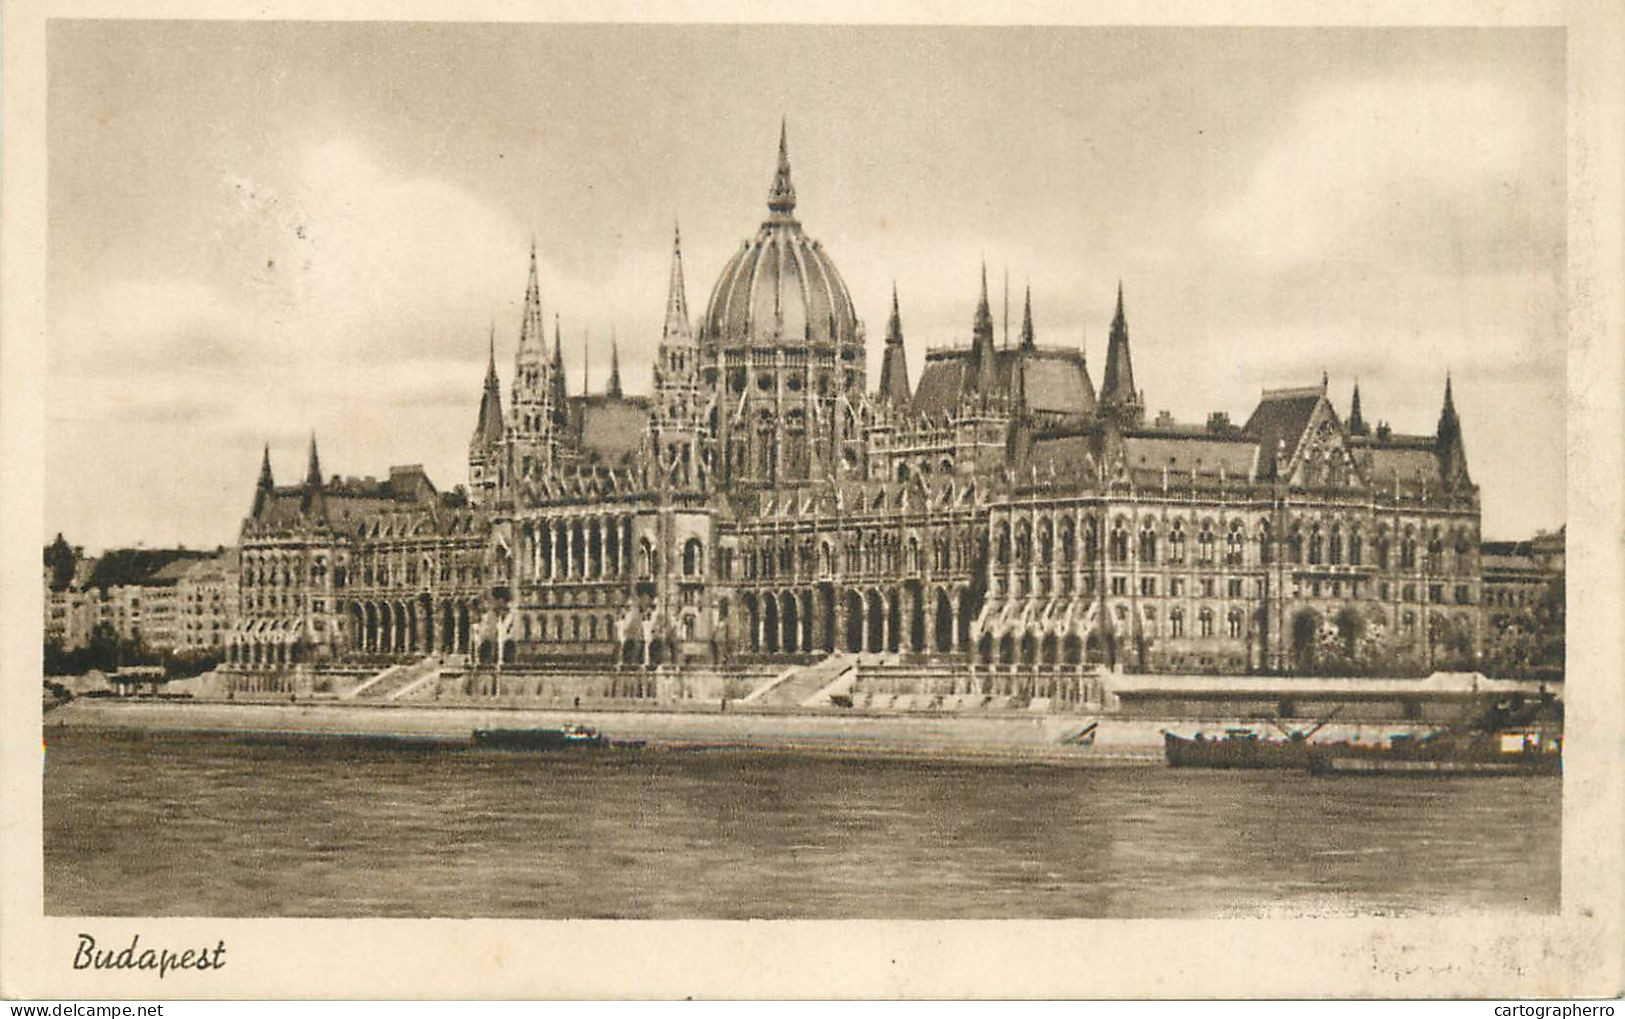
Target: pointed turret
[1117,390]
[677,324]
[894,387]
[531,337]
[612,388]
[312,502]
[1357,425]
[488,427]
[781,200]
[1448,441]
[1028,342]
[265,487]
[559,394]
[981,375]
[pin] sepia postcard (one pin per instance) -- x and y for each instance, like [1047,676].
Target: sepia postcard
[522,500]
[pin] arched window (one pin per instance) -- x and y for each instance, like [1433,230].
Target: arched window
[1004,545]
[1119,543]
[1068,543]
[1294,546]
[1233,544]
[1234,622]
[1024,546]
[693,558]
[1314,545]
[1176,622]
[1176,542]
[646,558]
[1205,621]
[1148,546]
[1265,556]
[1334,546]
[1204,543]
[1355,551]
[1407,551]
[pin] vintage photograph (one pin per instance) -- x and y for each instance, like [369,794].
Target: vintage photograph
[803,472]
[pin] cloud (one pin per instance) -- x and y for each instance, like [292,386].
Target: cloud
[1430,172]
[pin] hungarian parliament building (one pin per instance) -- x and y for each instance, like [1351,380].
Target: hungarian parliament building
[765,503]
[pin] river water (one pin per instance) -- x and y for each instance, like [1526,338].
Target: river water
[208,825]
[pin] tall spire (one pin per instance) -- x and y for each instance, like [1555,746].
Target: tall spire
[982,375]
[313,472]
[312,502]
[1356,420]
[531,336]
[983,323]
[1027,340]
[488,427]
[1117,385]
[558,386]
[894,368]
[781,200]
[613,387]
[1448,441]
[677,325]
[265,487]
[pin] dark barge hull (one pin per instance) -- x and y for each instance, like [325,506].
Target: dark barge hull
[1235,753]
[537,739]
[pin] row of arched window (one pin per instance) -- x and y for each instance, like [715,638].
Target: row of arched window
[857,553]
[1023,545]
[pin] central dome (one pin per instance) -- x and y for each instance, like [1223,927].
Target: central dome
[780,288]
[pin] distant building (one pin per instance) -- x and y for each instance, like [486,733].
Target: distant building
[143,595]
[764,503]
[1518,573]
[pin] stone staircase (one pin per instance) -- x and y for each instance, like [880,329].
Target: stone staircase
[807,685]
[397,680]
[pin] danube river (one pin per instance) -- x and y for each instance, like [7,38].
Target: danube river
[209,825]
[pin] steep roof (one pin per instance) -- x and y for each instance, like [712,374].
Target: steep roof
[1407,458]
[611,428]
[1053,380]
[1236,456]
[1278,423]
[941,383]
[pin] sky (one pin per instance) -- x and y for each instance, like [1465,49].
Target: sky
[261,231]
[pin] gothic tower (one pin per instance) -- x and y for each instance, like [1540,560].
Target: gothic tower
[533,414]
[894,389]
[1118,397]
[676,425]
[486,463]
[1448,442]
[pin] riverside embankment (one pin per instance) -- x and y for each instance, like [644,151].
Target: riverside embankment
[1006,736]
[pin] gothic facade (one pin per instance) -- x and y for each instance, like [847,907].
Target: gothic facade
[763,502]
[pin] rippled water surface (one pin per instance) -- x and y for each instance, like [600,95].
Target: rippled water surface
[195,825]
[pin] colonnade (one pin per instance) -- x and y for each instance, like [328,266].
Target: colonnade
[826,618]
[419,625]
[579,547]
